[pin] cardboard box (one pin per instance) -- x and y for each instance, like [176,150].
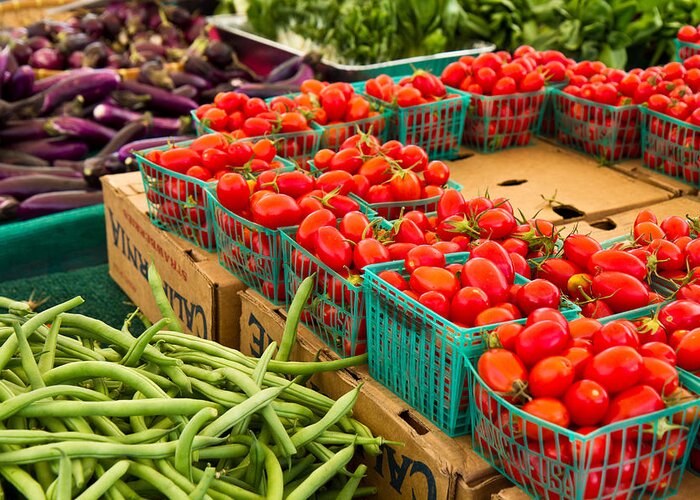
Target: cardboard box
[203,294]
[635,169]
[430,466]
[530,176]
[618,224]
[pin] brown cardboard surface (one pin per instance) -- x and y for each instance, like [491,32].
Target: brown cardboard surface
[203,294]
[618,224]
[690,486]
[635,169]
[554,172]
[430,466]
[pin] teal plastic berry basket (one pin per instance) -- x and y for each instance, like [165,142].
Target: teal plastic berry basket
[417,354]
[336,311]
[298,147]
[437,127]
[548,125]
[671,147]
[495,123]
[176,202]
[335,134]
[684,50]
[548,461]
[608,133]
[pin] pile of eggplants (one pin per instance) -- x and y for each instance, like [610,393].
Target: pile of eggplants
[59,134]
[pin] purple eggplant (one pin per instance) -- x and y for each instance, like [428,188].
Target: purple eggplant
[14,157]
[75,42]
[50,203]
[47,58]
[91,25]
[8,208]
[126,134]
[96,167]
[91,86]
[265,90]
[38,42]
[285,70]
[4,60]
[111,25]
[195,29]
[198,66]
[160,99]
[28,185]
[149,47]
[48,82]
[126,151]
[96,55]
[180,78]
[21,51]
[25,130]
[218,53]
[81,128]
[54,149]
[76,59]
[7,170]
[21,83]
[154,73]
[186,91]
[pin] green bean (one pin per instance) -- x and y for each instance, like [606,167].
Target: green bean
[161,299]
[27,358]
[322,475]
[64,482]
[106,426]
[115,408]
[24,483]
[133,355]
[200,492]
[341,438]
[78,449]
[304,379]
[257,377]
[231,490]
[353,483]
[105,482]
[298,468]
[12,382]
[36,436]
[9,347]
[339,409]
[158,481]
[10,407]
[234,415]
[205,346]
[275,477]
[222,451]
[200,374]
[128,320]
[251,388]
[43,474]
[293,315]
[167,469]
[256,467]
[183,451]
[15,305]
[371,448]
[123,489]
[365,491]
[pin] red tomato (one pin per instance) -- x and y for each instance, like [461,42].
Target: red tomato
[349,160]
[335,179]
[674,227]
[369,251]
[645,232]
[333,249]
[398,251]
[617,260]
[558,271]
[395,279]
[502,371]
[680,315]
[617,333]
[496,224]
[437,173]
[405,186]
[436,302]
[494,252]
[233,192]
[539,340]
[437,279]
[413,157]
[180,159]
[295,183]
[407,231]
[688,351]
[495,315]
[485,275]
[275,211]
[423,255]
[620,291]
[551,377]
[355,226]
[584,328]
[616,369]
[587,402]
[660,376]
[536,294]
[633,402]
[466,305]
[579,357]
[450,203]
[306,233]
[578,248]
[548,409]
[659,350]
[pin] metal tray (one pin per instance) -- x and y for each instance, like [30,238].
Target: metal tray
[262,54]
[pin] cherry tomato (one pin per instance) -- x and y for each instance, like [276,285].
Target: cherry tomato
[333,249]
[688,351]
[437,279]
[436,302]
[467,303]
[548,409]
[405,186]
[578,248]
[485,275]
[450,203]
[587,402]
[233,192]
[355,226]
[551,377]
[617,333]
[659,350]
[540,340]
[502,371]
[306,233]
[660,376]
[395,279]
[579,357]
[616,369]
[437,173]
[536,294]
[276,210]
[620,291]
[495,253]
[423,255]
[335,179]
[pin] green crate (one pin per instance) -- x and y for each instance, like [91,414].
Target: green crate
[562,470]
[494,123]
[417,354]
[684,50]
[187,214]
[437,127]
[609,133]
[299,147]
[548,125]
[671,147]
[336,312]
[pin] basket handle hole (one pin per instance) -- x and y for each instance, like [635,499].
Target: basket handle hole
[568,211]
[512,182]
[604,224]
[411,420]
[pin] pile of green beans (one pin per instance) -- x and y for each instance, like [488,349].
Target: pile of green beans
[88,411]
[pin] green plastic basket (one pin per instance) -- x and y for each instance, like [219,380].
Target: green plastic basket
[548,126]
[555,462]
[609,133]
[417,354]
[336,310]
[184,211]
[684,50]
[671,147]
[299,147]
[437,127]
[494,123]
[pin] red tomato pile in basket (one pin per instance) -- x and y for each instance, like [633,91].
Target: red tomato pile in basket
[501,73]
[420,88]
[381,173]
